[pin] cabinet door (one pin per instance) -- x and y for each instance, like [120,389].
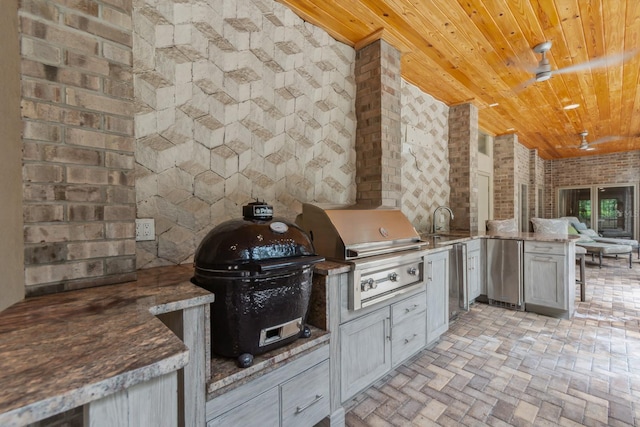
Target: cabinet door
[262,410]
[365,346]
[544,282]
[474,274]
[437,295]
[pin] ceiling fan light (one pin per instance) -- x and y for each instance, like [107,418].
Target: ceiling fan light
[545,75]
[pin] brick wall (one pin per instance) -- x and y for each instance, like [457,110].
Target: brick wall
[504,179]
[378,132]
[463,159]
[77,91]
[617,168]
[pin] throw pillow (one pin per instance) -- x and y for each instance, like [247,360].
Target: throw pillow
[550,226]
[572,229]
[579,226]
[590,233]
[502,226]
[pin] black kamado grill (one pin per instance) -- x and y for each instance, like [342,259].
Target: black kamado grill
[259,269]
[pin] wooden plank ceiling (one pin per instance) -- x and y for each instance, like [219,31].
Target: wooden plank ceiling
[480,51]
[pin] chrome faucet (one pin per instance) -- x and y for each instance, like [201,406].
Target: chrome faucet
[436,212]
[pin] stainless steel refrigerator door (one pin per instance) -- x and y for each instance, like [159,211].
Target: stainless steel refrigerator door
[504,271]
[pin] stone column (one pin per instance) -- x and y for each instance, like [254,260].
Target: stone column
[378,132]
[463,161]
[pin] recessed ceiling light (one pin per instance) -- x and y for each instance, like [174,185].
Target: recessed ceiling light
[495,104]
[571,106]
[510,129]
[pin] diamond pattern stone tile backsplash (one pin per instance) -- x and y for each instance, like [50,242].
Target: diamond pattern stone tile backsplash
[425,156]
[235,101]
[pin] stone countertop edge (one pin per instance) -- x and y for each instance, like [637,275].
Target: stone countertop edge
[332,267]
[229,376]
[64,350]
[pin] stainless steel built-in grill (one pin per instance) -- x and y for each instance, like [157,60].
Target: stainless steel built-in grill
[381,244]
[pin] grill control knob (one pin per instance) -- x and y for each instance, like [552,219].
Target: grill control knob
[367,284]
[393,277]
[412,271]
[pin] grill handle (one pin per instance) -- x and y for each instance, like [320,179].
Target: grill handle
[263,267]
[358,253]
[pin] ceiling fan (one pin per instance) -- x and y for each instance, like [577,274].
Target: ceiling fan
[587,146]
[544,72]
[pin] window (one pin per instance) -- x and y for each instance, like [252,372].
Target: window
[610,210]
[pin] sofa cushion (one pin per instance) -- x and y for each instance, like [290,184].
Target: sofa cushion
[550,226]
[502,226]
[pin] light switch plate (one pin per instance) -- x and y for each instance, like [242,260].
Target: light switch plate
[145,229]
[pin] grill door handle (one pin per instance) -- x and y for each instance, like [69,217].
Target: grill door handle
[301,409]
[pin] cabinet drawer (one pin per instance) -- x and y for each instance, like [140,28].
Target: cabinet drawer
[408,337]
[262,410]
[305,398]
[407,308]
[548,248]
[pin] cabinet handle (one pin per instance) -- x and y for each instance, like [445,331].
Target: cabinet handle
[430,276]
[410,309]
[408,340]
[301,409]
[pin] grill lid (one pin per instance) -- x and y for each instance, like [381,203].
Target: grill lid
[349,232]
[257,243]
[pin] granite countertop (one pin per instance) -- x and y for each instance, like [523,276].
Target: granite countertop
[226,375]
[64,350]
[440,240]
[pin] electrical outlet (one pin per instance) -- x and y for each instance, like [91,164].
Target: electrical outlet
[145,229]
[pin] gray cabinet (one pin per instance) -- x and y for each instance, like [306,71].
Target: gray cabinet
[365,346]
[437,266]
[296,394]
[549,278]
[370,345]
[408,328]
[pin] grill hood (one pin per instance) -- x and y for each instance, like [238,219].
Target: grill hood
[351,232]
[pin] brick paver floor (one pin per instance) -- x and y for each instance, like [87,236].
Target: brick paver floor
[500,367]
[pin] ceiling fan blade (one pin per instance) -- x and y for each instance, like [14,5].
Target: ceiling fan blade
[522,86]
[603,61]
[606,139]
